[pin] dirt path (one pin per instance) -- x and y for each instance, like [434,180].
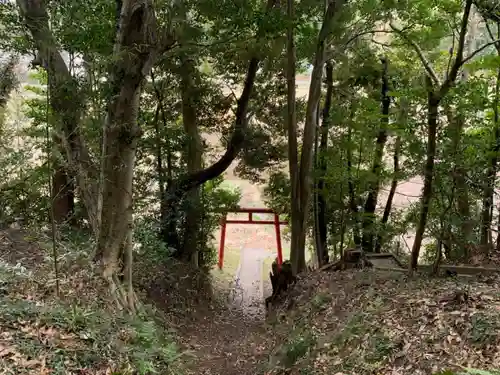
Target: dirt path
[250,278]
[234,341]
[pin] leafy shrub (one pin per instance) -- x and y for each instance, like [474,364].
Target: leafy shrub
[215,200]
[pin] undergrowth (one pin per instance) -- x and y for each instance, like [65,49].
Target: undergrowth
[370,322]
[42,334]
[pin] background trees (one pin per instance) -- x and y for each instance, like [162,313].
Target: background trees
[373,119]
[119,120]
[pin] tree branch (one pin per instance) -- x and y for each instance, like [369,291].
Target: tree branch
[494,43]
[492,36]
[425,62]
[489,9]
[459,61]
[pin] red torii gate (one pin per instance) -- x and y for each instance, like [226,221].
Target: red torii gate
[250,211]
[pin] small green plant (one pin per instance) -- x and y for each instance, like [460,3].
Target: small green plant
[320,300]
[353,329]
[471,371]
[484,329]
[297,348]
[381,345]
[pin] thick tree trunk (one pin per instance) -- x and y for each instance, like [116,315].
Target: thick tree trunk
[392,192]
[322,249]
[194,162]
[374,187]
[134,53]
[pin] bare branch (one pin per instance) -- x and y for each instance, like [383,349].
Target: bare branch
[489,9]
[471,56]
[385,45]
[332,55]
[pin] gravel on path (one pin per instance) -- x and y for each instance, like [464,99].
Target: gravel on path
[250,277]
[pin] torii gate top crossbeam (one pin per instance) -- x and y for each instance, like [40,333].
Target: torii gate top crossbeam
[250,211]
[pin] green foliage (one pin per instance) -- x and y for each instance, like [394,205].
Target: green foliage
[94,335]
[277,192]
[297,347]
[356,326]
[481,372]
[381,346]
[216,200]
[146,237]
[483,330]
[24,188]
[321,300]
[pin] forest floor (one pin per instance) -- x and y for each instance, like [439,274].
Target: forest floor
[359,322]
[351,322]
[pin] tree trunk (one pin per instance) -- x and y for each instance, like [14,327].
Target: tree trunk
[194,162]
[134,51]
[318,248]
[64,196]
[392,192]
[489,187]
[8,82]
[456,122]
[133,58]
[159,156]
[164,182]
[497,247]
[291,120]
[322,166]
[67,102]
[459,174]
[374,187]
[432,122]
[297,251]
[434,99]
[439,254]
[352,194]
